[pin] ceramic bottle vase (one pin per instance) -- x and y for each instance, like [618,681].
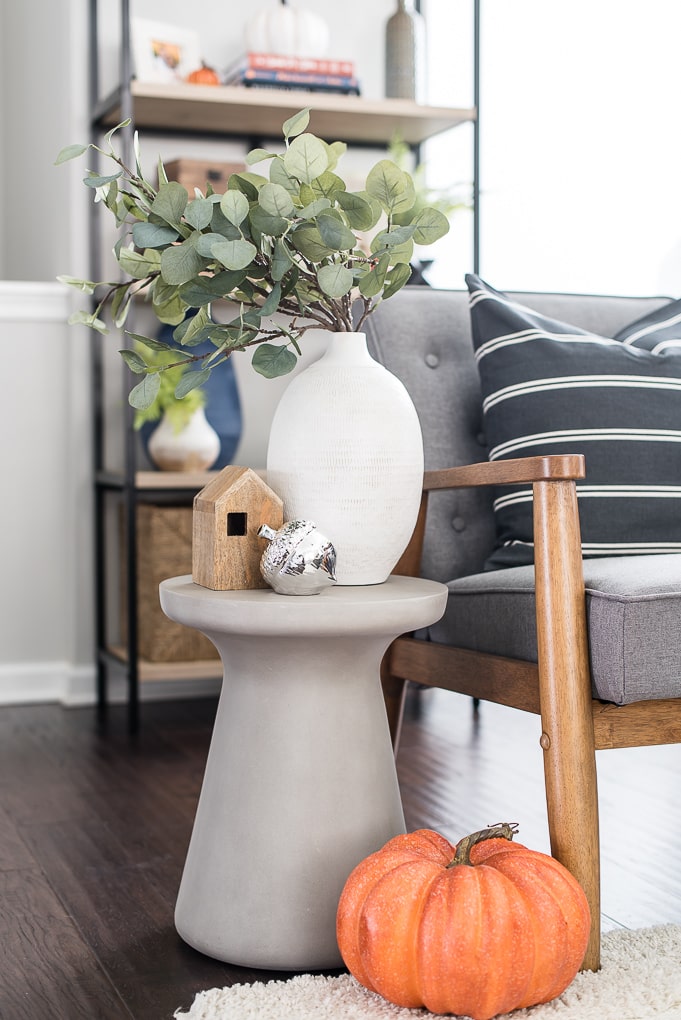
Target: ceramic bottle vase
[346,452]
[196,447]
[405,58]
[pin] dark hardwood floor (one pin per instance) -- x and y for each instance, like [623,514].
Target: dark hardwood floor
[94,828]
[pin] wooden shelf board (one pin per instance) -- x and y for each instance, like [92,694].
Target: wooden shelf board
[239,111]
[201,669]
[173,479]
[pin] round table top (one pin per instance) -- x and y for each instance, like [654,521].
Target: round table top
[398,605]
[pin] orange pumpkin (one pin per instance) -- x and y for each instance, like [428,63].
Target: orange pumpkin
[480,930]
[204,75]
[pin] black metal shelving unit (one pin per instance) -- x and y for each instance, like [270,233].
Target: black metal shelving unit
[360,123]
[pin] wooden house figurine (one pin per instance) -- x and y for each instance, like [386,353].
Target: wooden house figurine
[228,512]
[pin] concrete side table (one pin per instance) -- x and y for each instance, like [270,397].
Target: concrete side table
[300,781]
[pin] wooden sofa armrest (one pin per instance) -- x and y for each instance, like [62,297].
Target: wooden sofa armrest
[507,472]
[500,472]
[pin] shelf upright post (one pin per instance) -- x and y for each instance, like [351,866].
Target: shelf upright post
[97,381]
[130,436]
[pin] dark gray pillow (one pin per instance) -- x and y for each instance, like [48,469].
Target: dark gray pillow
[549,387]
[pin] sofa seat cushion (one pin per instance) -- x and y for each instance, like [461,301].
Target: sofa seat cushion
[549,387]
[633,609]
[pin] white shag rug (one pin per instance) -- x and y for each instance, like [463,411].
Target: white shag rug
[640,977]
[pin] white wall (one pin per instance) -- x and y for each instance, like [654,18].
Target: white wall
[46,618]
[45,622]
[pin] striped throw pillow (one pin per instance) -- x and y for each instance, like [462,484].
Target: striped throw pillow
[549,387]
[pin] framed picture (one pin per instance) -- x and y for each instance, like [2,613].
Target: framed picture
[163,53]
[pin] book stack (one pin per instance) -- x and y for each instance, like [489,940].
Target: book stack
[271,70]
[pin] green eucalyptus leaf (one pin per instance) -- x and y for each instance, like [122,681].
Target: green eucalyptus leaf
[275,200]
[144,393]
[258,155]
[235,254]
[314,208]
[199,212]
[94,180]
[153,345]
[266,223]
[153,235]
[396,252]
[87,286]
[306,158]
[172,310]
[170,202]
[234,206]
[134,362]
[335,280]
[334,151]
[120,306]
[334,233]
[70,152]
[280,175]
[296,124]
[396,279]
[190,381]
[193,325]
[137,265]
[204,289]
[398,235]
[429,226]
[249,184]
[281,260]
[272,303]
[83,318]
[359,212]
[181,263]
[327,185]
[272,361]
[204,242]
[390,186]
[373,281]
[161,171]
[308,241]
[289,281]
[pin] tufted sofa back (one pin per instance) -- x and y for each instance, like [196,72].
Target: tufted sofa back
[423,336]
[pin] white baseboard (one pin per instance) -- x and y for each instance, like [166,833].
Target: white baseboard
[32,683]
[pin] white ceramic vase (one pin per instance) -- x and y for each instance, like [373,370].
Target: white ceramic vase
[346,452]
[196,447]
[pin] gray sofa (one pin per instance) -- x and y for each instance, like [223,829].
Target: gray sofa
[423,336]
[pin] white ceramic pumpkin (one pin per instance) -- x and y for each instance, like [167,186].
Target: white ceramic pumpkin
[289,31]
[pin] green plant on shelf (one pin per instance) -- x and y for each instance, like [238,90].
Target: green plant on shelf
[178,411]
[287,245]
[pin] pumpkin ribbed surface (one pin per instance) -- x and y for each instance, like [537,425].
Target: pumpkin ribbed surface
[506,928]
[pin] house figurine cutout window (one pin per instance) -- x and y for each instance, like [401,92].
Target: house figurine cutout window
[228,512]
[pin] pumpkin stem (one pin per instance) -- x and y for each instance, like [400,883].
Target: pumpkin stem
[502,830]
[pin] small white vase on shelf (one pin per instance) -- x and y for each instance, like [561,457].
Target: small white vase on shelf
[195,447]
[346,452]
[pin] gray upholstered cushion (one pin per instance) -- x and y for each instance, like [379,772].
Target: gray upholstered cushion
[633,614]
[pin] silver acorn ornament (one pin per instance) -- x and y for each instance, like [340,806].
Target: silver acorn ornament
[299,560]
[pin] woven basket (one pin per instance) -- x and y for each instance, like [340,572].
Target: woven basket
[164,549]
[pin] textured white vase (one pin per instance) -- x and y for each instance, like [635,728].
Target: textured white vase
[346,452]
[196,447]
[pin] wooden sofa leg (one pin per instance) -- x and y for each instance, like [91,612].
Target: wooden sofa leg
[565,691]
[394,690]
